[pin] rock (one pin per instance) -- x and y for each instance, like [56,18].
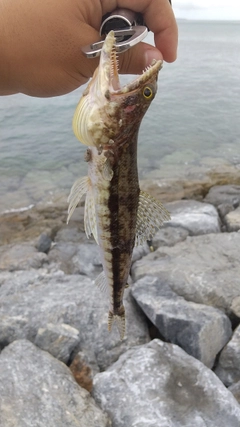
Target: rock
[140,251]
[224,209]
[169,236]
[22,256]
[71,234]
[193,216]
[81,371]
[200,330]
[38,390]
[87,260]
[62,254]
[44,243]
[235,307]
[73,258]
[158,384]
[28,224]
[30,300]
[192,184]
[232,220]
[203,269]
[228,367]
[224,194]
[235,390]
[163,189]
[58,340]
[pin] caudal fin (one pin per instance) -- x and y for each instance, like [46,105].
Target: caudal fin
[120,320]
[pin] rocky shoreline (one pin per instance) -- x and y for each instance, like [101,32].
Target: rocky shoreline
[178,365]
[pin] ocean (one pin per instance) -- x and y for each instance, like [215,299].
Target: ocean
[193,124]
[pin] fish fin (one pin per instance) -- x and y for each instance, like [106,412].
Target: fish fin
[101,282]
[107,171]
[79,188]
[90,223]
[120,320]
[151,215]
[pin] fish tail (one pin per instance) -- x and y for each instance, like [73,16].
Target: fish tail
[120,321]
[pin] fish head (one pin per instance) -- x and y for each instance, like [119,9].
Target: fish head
[106,112]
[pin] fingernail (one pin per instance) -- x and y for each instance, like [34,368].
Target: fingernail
[151,54]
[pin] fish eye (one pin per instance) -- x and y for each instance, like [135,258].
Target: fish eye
[147,92]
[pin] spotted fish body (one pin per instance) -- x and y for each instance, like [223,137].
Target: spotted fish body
[117,213]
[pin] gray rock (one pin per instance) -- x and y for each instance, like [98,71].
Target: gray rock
[32,299]
[44,243]
[38,390]
[235,307]
[227,194]
[224,209]
[169,236]
[140,251]
[71,234]
[21,256]
[87,260]
[195,217]
[203,269]
[232,220]
[73,258]
[200,330]
[228,368]
[235,390]
[158,384]
[58,340]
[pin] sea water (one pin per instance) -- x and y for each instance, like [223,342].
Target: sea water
[193,123]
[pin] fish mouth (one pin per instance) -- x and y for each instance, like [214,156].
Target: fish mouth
[114,85]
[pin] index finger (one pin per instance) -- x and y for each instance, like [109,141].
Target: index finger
[158,16]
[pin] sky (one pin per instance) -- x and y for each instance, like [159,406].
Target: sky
[207,9]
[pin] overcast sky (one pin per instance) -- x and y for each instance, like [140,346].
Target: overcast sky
[207,9]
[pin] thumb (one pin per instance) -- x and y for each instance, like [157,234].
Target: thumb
[137,58]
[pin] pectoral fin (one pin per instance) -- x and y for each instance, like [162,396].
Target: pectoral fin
[151,215]
[79,188]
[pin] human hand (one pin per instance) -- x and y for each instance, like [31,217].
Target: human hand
[41,42]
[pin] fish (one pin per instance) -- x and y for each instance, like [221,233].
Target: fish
[117,213]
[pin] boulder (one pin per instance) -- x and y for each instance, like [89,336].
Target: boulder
[228,367]
[59,340]
[30,300]
[193,216]
[202,331]
[21,256]
[77,258]
[203,269]
[38,390]
[224,194]
[235,390]
[44,243]
[232,220]
[169,236]
[158,384]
